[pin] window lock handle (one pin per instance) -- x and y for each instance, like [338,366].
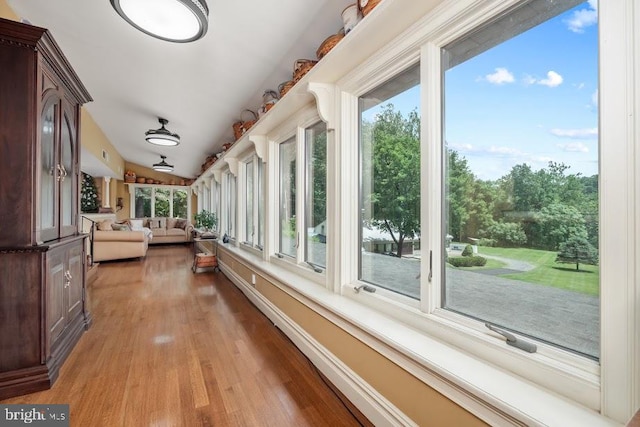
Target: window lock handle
[514,341]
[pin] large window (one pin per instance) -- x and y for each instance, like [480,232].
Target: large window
[316,195]
[253,202]
[287,225]
[231,196]
[159,201]
[521,178]
[390,184]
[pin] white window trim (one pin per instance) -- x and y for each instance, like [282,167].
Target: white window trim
[293,128]
[616,391]
[132,197]
[244,241]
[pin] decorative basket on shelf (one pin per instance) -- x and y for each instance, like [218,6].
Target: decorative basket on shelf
[141,180]
[284,87]
[269,99]
[328,44]
[241,126]
[129,176]
[149,180]
[366,6]
[302,67]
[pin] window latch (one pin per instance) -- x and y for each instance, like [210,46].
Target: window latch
[512,340]
[315,267]
[364,287]
[430,266]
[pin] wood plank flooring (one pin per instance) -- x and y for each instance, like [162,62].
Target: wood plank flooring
[173,348]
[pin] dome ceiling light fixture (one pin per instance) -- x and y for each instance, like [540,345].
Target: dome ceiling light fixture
[162,136]
[179,21]
[162,166]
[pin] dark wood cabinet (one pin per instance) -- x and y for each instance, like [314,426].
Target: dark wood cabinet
[43,309]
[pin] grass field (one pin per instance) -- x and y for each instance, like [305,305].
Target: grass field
[548,272]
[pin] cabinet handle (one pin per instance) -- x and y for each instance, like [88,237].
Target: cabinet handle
[67,275]
[59,176]
[67,284]
[63,172]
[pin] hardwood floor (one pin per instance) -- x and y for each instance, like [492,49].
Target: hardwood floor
[173,348]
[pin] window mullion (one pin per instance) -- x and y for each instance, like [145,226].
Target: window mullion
[431,179]
[301,194]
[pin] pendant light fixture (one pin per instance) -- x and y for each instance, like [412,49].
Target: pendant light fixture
[178,21]
[162,136]
[163,166]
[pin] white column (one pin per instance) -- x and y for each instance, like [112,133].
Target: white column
[106,192]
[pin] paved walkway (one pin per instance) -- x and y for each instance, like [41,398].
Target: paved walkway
[567,318]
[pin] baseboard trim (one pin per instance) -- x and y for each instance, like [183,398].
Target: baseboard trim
[24,381]
[372,404]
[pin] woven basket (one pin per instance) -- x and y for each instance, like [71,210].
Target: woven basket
[130,178]
[242,125]
[284,87]
[369,7]
[328,44]
[141,180]
[246,125]
[302,67]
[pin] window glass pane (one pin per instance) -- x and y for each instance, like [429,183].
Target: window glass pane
[287,230]
[261,206]
[521,174]
[48,172]
[179,204]
[249,231]
[390,184]
[161,202]
[67,190]
[232,206]
[316,198]
[216,204]
[143,202]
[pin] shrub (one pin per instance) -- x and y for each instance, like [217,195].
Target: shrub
[486,242]
[507,234]
[468,251]
[467,261]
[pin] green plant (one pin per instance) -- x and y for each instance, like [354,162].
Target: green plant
[467,261]
[205,219]
[468,251]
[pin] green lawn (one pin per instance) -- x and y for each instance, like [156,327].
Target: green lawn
[548,272]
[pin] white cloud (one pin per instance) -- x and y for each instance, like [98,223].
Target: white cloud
[553,79]
[575,133]
[579,86]
[501,76]
[583,18]
[574,147]
[594,98]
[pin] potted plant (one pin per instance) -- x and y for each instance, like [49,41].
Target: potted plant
[205,219]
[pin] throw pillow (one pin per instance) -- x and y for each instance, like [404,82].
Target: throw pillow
[136,224]
[157,223]
[105,225]
[181,223]
[171,223]
[120,227]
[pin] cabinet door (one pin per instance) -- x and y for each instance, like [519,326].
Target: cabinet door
[56,294]
[49,174]
[75,280]
[68,179]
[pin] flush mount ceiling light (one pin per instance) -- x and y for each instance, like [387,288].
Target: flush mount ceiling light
[162,136]
[163,166]
[179,21]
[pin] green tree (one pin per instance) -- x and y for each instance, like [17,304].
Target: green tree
[179,204]
[459,186]
[577,250]
[89,201]
[395,196]
[555,224]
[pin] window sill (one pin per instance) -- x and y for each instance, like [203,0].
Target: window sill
[474,384]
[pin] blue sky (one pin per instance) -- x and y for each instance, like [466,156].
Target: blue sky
[531,99]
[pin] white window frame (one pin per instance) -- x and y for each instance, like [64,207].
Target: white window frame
[215,200]
[295,127]
[132,197]
[246,243]
[611,387]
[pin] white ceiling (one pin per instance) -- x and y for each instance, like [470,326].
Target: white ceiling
[200,87]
